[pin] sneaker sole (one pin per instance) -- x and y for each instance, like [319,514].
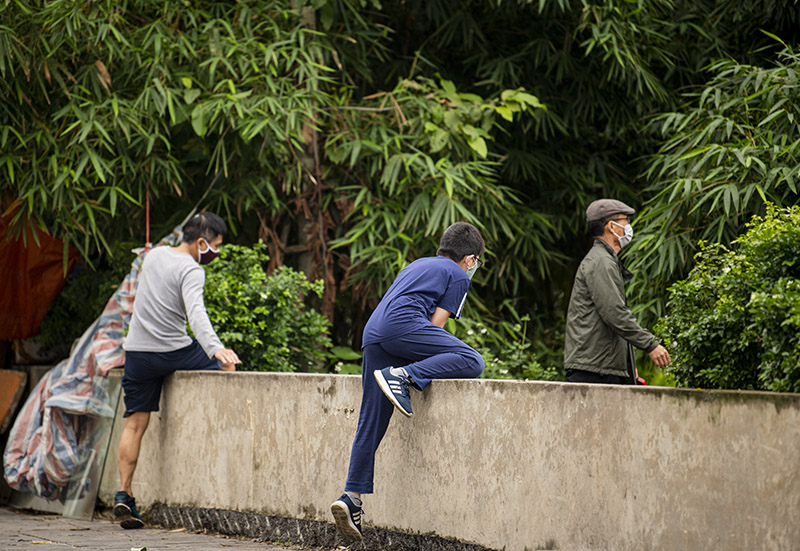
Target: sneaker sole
[344,524]
[384,386]
[121,510]
[132,523]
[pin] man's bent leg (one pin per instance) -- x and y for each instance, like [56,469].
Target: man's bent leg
[129,445]
[193,358]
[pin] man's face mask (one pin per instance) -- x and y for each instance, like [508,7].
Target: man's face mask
[628,235]
[474,268]
[207,255]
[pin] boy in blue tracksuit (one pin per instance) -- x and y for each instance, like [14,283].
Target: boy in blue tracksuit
[405,344]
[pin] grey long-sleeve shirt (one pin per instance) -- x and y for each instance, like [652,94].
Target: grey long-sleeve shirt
[170,291]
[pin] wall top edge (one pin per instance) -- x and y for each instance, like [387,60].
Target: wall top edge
[500,385]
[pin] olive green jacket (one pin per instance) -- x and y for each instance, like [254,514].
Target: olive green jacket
[600,326]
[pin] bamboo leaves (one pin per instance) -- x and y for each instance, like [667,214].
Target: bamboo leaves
[350,132]
[725,157]
[118,118]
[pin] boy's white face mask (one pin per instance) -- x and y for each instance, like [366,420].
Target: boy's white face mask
[627,236]
[474,268]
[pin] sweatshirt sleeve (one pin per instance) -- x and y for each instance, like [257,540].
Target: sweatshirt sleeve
[605,287]
[192,291]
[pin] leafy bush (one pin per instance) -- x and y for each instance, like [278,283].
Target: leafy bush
[734,323]
[506,353]
[344,359]
[264,319]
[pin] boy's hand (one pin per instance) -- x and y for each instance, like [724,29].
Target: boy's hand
[228,358]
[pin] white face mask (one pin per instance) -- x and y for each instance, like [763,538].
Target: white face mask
[627,236]
[474,268]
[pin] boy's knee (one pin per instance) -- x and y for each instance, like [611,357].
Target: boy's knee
[475,364]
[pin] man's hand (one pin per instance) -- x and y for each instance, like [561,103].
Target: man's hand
[228,358]
[660,356]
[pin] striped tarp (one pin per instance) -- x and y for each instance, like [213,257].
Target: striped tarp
[53,433]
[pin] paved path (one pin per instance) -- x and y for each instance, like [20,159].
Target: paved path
[40,532]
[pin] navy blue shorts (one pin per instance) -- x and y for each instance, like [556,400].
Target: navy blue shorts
[145,372]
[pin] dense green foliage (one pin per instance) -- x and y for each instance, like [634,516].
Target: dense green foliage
[736,147]
[734,323]
[347,134]
[265,320]
[507,353]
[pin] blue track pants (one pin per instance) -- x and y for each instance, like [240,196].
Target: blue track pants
[426,354]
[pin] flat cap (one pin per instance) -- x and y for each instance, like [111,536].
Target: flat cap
[603,208]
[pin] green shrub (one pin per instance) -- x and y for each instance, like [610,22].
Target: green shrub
[506,353]
[264,319]
[734,323]
[343,359]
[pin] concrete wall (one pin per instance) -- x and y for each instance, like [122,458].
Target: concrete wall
[505,464]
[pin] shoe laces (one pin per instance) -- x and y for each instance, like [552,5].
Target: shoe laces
[402,388]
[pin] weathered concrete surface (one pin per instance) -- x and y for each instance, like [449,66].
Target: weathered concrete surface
[514,465]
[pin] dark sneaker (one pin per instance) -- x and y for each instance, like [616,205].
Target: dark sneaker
[348,517]
[394,385]
[126,512]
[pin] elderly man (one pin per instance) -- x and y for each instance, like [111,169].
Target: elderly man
[601,330]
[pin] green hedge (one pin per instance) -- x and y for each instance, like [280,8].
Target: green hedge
[734,323]
[265,319]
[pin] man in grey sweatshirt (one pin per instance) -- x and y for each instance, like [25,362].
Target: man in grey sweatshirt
[169,292]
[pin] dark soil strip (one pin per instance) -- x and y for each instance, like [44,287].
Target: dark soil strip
[291,531]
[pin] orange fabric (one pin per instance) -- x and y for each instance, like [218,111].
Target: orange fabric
[30,279]
[12,387]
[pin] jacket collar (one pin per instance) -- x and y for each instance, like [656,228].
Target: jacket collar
[627,275]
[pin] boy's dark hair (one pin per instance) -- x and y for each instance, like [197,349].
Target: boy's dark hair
[206,225]
[460,240]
